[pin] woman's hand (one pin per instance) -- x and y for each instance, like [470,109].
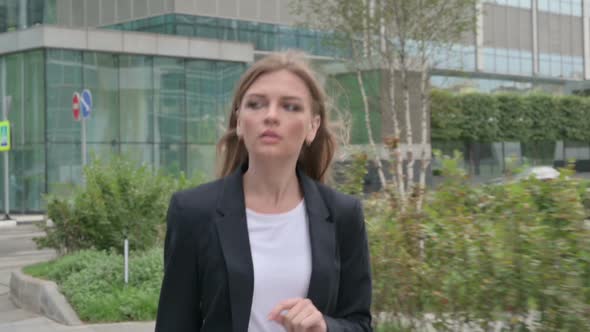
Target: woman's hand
[301,316]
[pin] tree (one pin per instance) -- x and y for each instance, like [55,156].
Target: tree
[402,39]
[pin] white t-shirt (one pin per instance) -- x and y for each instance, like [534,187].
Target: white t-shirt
[281,257]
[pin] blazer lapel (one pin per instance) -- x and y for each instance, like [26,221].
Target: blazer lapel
[235,244]
[323,244]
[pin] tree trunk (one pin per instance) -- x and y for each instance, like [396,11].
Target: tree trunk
[425,159]
[409,132]
[378,163]
[397,155]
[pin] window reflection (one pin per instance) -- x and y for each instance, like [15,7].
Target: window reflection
[264,36]
[508,61]
[512,3]
[564,7]
[557,65]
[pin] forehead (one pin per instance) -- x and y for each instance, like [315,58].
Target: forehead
[281,83]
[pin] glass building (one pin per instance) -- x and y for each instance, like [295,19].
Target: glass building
[162,73]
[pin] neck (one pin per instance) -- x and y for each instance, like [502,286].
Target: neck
[271,187]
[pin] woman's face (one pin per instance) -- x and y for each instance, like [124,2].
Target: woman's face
[275,117]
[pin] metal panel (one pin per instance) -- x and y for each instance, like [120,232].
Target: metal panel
[269,10]
[500,27]
[140,8]
[123,10]
[64,12]
[577,36]
[185,6]
[488,25]
[535,36]
[586,33]
[285,16]
[565,35]
[78,13]
[248,9]
[525,30]
[92,13]
[544,35]
[206,7]
[108,12]
[228,8]
[157,7]
[554,34]
[479,37]
[169,5]
[513,22]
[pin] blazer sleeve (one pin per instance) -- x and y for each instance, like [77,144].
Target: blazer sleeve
[353,310]
[179,307]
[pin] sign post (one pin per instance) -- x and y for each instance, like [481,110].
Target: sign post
[86,108]
[5,147]
[81,109]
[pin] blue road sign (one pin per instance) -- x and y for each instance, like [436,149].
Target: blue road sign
[86,103]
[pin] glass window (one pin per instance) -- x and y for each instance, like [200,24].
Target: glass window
[206,27]
[64,77]
[171,158]
[201,160]
[142,154]
[137,98]
[101,77]
[202,102]
[577,151]
[26,179]
[64,167]
[169,99]
[287,37]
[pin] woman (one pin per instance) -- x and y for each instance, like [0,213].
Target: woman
[268,247]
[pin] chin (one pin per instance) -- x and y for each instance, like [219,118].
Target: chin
[271,152]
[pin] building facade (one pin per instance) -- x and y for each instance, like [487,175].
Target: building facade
[162,72]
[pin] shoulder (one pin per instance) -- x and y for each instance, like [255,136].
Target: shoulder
[194,206]
[197,198]
[339,204]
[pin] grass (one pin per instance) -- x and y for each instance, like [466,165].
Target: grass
[93,283]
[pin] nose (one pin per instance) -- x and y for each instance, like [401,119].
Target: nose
[272,114]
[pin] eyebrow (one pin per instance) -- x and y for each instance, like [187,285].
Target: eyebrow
[259,95]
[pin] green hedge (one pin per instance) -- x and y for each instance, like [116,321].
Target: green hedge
[479,117]
[479,255]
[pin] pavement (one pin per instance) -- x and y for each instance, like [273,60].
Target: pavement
[17,249]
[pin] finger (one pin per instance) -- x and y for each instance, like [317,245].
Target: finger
[303,315]
[287,319]
[275,313]
[313,320]
[297,308]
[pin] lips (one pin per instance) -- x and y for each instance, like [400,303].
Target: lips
[270,134]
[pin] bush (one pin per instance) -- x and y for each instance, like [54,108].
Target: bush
[478,256]
[93,283]
[117,199]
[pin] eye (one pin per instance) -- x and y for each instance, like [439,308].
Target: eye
[254,104]
[292,107]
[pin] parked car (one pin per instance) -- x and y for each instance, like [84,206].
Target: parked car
[544,173]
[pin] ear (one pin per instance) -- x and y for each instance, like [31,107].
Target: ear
[313,129]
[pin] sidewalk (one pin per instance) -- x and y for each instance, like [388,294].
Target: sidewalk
[22,219]
[17,250]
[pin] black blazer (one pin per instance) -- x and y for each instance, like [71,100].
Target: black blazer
[208,278]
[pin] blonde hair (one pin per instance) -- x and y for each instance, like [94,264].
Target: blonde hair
[315,158]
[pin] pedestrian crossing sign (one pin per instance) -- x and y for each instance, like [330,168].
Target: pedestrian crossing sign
[4,136]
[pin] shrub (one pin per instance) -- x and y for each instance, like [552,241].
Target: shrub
[93,283]
[117,199]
